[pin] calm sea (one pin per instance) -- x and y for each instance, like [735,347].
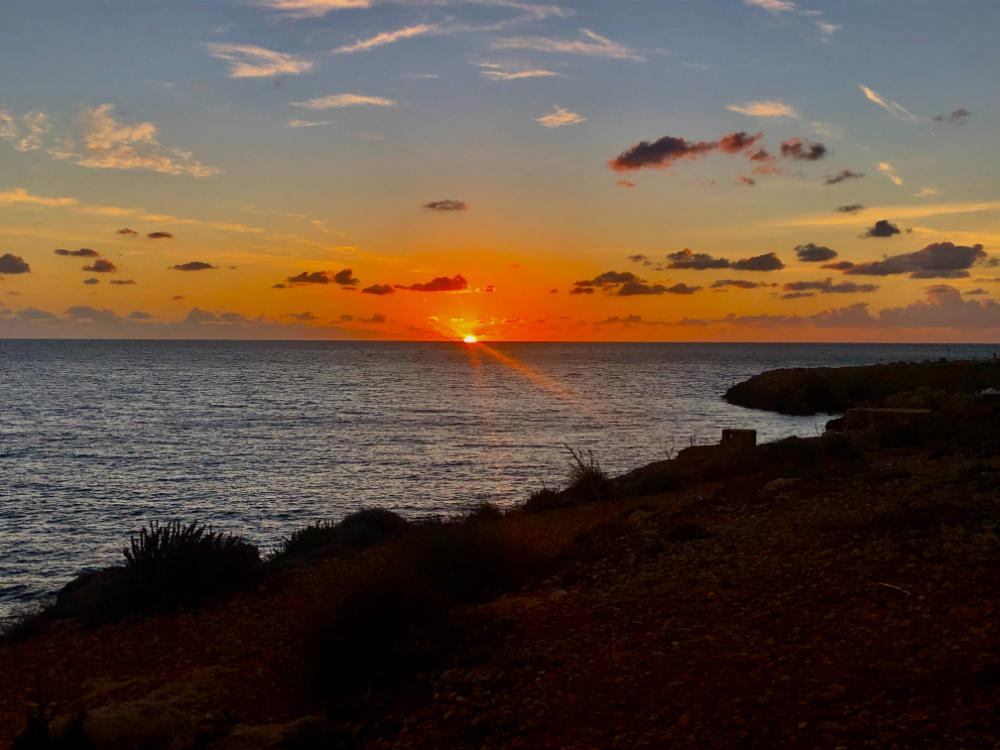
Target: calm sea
[99,437]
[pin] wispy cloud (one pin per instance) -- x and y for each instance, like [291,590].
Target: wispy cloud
[25,133]
[388,37]
[111,144]
[592,45]
[866,215]
[513,72]
[333,101]
[307,123]
[559,117]
[774,6]
[926,192]
[889,171]
[764,108]
[312,8]
[20,195]
[249,61]
[890,106]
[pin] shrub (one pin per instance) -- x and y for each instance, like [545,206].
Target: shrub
[483,513]
[543,500]
[357,530]
[587,480]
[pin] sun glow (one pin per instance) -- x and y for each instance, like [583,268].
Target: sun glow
[470,339]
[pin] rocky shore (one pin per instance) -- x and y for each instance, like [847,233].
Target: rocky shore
[832,592]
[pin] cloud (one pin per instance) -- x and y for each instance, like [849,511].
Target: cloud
[640,258]
[448,204]
[634,288]
[333,101]
[91,281]
[840,265]
[666,151]
[893,108]
[110,144]
[827,286]
[955,117]
[159,236]
[12,264]
[139,315]
[378,289]
[311,277]
[513,72]
[739,284]
[101,265]
[456,283]
[345,278]
[122,282]
[307,123]
[560,116]
[882,228]
[889,171]
[303,316]
[388,37]
[625,183]
[944,260]
[908,211]
[764,108]
[774,6]
[194,265]
[926,192]
[844,174]
[745,180]
[943,308]
[83,252]
[608,278]
[20,195]
[592,45]
[376,318]
[765,262]
[976,292]
[812,253]
[127,232]
[627,320]
[850,208]
[249,61]
[313,8]
[690,260]
[31,133]
[802,150]
[581,290]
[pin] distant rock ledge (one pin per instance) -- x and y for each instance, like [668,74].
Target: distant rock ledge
[832,390]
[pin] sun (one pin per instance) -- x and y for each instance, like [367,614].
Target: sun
[470,339]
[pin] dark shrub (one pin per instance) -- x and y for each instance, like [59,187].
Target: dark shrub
[358,530]
[483,513]
[543,500]
[587,480]
[654,483]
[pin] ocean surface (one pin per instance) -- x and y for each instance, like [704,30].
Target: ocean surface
[99,437]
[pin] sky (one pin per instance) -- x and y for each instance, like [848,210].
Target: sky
[710,170]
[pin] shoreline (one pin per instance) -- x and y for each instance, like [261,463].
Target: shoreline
[850,571]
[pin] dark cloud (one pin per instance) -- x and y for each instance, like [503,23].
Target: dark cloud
[303,316]
[122,282]
[689,259]
[739,284]
[939,260]
[827,286]
[850,208]
[627,320]
[194,265]
[101,265]
[582,290]
[639,258]
[159,236]
[801,149]
[456,283]
[748,181]
[797,295]
[279,285]
[127,232]
[311,277]
[840,265]
[668,150]
[30,313]
[378,289]
[83,252]
[139,315]
[608,278]
[91,281]
[975,292]
[346,278]
[843,174]
[882,228]
[376,318]
[91,314]
[177,297]
[812,253]
[449,204]
[11,264]
[633,288]
[955,117]
[625,184]
[765,262]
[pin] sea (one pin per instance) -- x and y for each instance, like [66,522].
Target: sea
[98,438]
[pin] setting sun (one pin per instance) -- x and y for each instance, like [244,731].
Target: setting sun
[470,339]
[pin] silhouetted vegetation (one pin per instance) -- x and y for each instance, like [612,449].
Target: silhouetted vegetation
[587,479]
[484,513]
[544,500]
[357,530]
